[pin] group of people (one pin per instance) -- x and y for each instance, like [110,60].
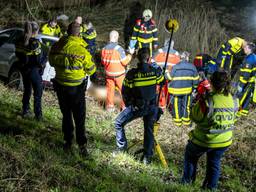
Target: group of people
[207,80]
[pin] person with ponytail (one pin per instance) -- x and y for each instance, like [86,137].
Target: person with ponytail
[214,118]
[32,61]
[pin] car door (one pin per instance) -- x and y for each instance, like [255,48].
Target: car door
[7,52]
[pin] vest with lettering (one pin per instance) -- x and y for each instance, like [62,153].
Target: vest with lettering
[214,129]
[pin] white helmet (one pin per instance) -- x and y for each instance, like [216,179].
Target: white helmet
[147,14]
[113,36]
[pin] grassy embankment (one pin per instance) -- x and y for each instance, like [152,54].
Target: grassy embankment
[32,159]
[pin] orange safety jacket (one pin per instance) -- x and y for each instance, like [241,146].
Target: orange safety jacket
[114,59]
[160,57]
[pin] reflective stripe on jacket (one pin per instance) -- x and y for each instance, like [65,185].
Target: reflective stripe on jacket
[145,33]
[31,55]
[139,84]
[71,61]
[214,129]
[247,70]
[114,59]
[183,78]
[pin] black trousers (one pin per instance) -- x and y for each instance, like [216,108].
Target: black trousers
[32,79]
[72,106]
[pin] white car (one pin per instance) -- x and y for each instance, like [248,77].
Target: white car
[9,62]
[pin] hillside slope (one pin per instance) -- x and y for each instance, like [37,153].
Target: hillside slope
[32,159]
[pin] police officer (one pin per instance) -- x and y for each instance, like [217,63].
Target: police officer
[183,79]
[72,62]
[32,59]
[227,51]
[212,135]
[144,33]
[139,94]
[247,79]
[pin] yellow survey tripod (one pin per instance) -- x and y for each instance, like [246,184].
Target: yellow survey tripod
[158,149]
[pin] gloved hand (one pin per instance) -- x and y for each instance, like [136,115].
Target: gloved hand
[194,94]
[239,89]
[131,50]
[155,47]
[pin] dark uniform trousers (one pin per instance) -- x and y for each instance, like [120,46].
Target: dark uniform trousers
[244,98]
[130,113]
[180,109]
[72,106]
[32,79]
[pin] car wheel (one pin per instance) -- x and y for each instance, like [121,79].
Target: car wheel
[15,79]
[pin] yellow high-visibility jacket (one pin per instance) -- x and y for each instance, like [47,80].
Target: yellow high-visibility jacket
[71,61]
[51,31]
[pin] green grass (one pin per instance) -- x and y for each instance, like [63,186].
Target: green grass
[32,159]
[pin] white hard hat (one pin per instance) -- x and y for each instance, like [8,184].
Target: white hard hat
[147,14]
[113,36]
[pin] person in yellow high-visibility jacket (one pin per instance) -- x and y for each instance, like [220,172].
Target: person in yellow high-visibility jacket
[214,118]
[51,28]
[72,62]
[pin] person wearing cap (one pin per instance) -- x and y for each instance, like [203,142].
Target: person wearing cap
[227,52]
[33,59]
[144,33]
[115,60]
[183,79]
[246,79]
[173,58]
[214,118]
[139,94]
[51,28]
[72,62]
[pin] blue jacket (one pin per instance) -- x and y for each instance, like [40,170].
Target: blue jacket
[183,78]
[247,70]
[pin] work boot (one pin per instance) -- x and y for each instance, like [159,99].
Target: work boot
[146,160]
[39,118]
[67,147]
[83,151]
[26,114]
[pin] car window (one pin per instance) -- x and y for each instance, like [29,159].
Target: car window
[5,37]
